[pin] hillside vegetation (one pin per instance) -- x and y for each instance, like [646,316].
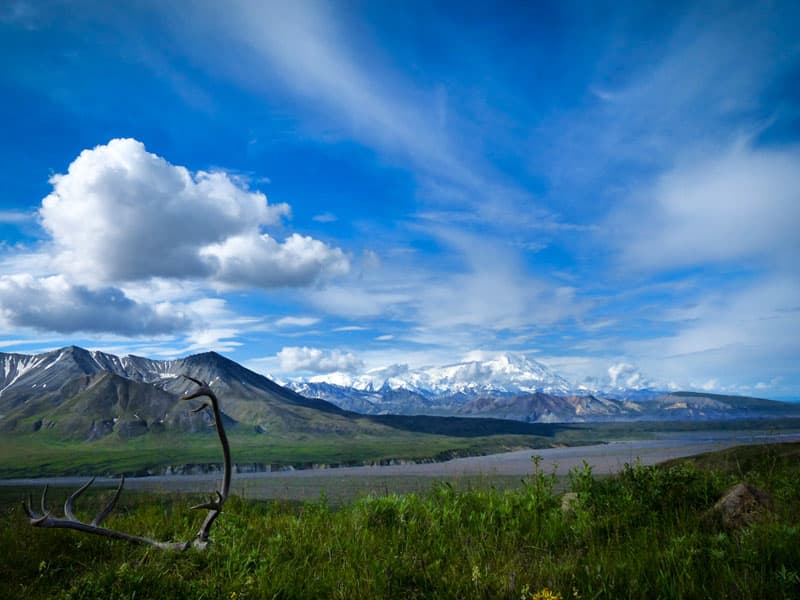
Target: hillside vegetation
[647,533]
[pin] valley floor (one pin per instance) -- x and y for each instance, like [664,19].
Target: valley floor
[646,532]
[503,470]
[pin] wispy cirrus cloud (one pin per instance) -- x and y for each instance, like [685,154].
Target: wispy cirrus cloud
[296,321]
[740,206]
[16,216]
[351,89]
[610,184]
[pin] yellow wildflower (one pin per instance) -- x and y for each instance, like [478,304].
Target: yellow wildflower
[546,594]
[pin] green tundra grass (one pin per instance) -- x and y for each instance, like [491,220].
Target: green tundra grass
[646,533]
[34,456]
[42,455]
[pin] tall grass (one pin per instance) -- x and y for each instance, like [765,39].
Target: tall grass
[646,533]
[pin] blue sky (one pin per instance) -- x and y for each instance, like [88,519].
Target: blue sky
[612,189]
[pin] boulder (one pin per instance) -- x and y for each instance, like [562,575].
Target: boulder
[742,505]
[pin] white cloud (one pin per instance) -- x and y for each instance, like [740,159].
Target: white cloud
[742,205]
[122,214]
[293,359]
[296,321]
[476,289]
[359,300]
[737,336]
[625,375]
[36,341]
[493,289]
[305,45]
[710,385]
[260,261]
[54,304]
[347,88]
[219,339]
[705,75]
[324,218]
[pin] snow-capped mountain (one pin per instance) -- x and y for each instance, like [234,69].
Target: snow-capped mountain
[514,387]
[434,389]
[504,375]
[84,394]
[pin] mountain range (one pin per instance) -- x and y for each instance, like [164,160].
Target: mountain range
[89,394]
[503,375]
[515,387]
[80,394]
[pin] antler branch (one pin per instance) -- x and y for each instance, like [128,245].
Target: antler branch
[214,506]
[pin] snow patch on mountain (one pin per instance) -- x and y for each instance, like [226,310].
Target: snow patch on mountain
[502,375]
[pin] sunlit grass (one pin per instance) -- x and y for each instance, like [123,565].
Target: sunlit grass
[644,534]
[37,456]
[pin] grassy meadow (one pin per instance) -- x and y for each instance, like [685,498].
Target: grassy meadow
[42,455]
[38,456]
[646,533]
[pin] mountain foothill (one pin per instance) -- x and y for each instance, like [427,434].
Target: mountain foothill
[73,393]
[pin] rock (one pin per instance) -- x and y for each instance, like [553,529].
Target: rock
[742,505]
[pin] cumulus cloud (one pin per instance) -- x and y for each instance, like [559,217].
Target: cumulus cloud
[53,304]
[742,205]
[260,261]
[122,214]
[625,375]
[293,359]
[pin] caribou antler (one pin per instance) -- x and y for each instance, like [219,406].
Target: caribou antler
[213,506]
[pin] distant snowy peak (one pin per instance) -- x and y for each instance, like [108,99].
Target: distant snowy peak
[506,374]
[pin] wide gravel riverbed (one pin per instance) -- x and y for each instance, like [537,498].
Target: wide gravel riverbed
[503,470]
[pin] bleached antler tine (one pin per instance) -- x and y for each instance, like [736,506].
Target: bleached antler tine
[43,503]
[68,505]
[201,407]
[211,504]
[110,506]
[26,506]
[214,506]
[197,381]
